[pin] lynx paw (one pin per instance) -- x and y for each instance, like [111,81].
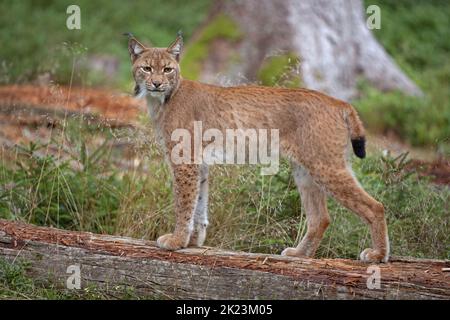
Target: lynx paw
[170,242]
[372,255]
[291,252]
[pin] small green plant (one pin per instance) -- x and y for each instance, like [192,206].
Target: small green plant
[393,170]
[281,70]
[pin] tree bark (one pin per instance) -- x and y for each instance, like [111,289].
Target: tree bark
[331,39]
[208,273]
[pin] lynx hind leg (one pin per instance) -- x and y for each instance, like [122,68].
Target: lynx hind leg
[201,211]
[314,202]
[341,183]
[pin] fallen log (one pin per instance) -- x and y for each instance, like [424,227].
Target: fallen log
[113,108]
[208,273]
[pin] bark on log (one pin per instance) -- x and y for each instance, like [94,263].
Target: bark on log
[201,273]
[331,38]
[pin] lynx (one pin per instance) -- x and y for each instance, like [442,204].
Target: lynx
[316,133]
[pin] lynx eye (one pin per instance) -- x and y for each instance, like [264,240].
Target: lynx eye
[167,70]
[147,69]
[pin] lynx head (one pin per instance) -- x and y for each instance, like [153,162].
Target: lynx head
[155,70]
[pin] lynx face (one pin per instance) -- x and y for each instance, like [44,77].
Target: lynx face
[155,70]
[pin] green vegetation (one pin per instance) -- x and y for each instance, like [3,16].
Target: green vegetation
[44,191]
[222,27]
[421,121]
[36,40]
[280,70]
[416,35]
[77,187]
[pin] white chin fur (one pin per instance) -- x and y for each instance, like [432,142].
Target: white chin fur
[158,95]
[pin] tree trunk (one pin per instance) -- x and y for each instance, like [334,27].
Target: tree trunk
[207,273]
[331,39]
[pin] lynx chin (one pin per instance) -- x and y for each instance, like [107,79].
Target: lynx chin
[316,133]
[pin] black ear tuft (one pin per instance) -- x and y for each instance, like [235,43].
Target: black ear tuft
[175,48]
[135,48]
[359,147]
[128,34]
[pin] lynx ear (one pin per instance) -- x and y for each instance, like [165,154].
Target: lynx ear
[134,47]
[175,48]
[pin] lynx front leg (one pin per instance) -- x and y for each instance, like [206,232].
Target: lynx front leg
[314,201]
[201,211]
[186,189]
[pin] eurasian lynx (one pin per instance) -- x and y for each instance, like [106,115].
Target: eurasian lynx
[315,132]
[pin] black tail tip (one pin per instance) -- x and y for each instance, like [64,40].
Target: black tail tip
[359,147]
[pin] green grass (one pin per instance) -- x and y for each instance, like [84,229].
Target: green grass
[44,191]
[36,40]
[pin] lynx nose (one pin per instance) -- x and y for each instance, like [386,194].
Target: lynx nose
[156,84]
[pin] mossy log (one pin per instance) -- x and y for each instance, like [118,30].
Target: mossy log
[208,273]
